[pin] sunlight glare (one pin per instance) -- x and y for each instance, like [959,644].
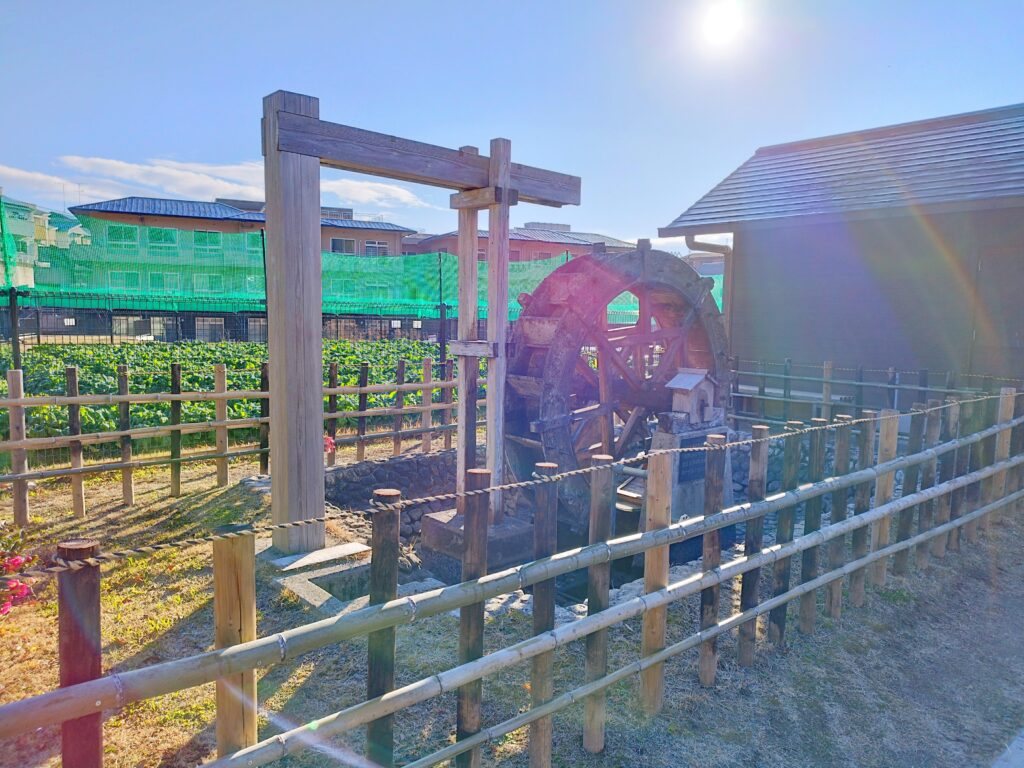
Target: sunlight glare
[721,25]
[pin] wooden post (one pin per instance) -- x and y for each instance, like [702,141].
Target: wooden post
[837,546]
[380,649]
[265,413]
[826,390]
[499,175]
[295,328]
[234,622]
[944,504]
[471,617]
[220,384]
[361,405]
[75,428]
[787,387]
[928,512]
[861,504]
[446,398]
[905,519]
[714,478]
[124,423]
[658,514]
[892,379]
[80,649]
[467,330]
[958,499]
[1004,413]
[175,433]
[426,400]
[762,386]
[858,394]
[753,541]
[542,667]
[812,522]
[12,304]
[19,456]
[888,435]
[396,422]
[973,494]
[602,500]
[784,532]
[332,407]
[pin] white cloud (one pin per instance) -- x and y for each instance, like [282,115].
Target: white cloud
[56,191]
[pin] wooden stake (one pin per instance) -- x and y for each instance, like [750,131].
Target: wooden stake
[364,379]
[1006,405]
[787,387]
[714,477]
[988,449]
[837,547]
[380,649]
[888,435]
[943,507]
[124,423]
[858,394]
[175,433]
[426,399]
[446,397]
[928,511]
[602,500]
[220,384]
[973,492]
[905,519]
[658,514]
[19,456]
[826,390]
[784,532]
[80,649]
[234,622]
[753,542]
[861,504]
[471,617]
[75,428]
[396,422]
[542,668]
[264,414]
[332,423]
[812,522]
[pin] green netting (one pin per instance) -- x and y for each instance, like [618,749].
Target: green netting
[107,264]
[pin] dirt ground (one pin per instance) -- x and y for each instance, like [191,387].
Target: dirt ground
[929,673]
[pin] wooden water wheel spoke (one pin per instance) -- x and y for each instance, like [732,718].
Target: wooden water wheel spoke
[636,418]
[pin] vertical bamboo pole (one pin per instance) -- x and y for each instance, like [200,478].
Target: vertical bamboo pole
[892,379]
[220,385]
[265,413]
[858,394]
[380,649]
[542,666]
[175,433]
[762,386]
[888,435]
[837,546]
[826,390]
[988,450]
[80,649]
[922,382]
[332,407]
[973,495]
[1006,405]
[396,422]
[812,522]
[446,398]
[426,399]
[124,423]
[787,387]
[75,428]
[234,622]
[927,513]
[364,379]
[658,513]
[471,617]
[959,502]
[905,519]
[944,504]
[753,541]
[784,532]
[602,500]
[714,477]
[1016,448]
[861,504]
[19,456]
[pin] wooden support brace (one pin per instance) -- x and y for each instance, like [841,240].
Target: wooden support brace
[483,197]
[480,348]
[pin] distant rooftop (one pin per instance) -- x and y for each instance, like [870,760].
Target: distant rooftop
[947,163]
[539,233]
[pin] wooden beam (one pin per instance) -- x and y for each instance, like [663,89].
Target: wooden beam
[294,325]
[483,197]
[499,175]
[469,370]
[473,348]
[355,149]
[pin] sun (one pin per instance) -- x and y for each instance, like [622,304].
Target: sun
[721,24]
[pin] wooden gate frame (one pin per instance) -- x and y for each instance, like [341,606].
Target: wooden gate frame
[295,144]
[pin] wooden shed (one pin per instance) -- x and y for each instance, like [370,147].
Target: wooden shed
[899,246]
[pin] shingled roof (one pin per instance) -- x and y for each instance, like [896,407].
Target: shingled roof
[962,162]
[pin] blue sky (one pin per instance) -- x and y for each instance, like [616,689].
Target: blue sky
[643,99]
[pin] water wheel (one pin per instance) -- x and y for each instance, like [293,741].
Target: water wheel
[579,383]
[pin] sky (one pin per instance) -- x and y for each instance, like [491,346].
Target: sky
[651,102]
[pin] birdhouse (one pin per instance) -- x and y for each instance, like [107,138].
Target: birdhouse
[693,393]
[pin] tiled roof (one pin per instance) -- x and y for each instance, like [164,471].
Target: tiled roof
[956,162]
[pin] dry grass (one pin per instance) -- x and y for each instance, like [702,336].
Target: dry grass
[929,673]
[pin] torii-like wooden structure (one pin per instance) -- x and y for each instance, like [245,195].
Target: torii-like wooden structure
[295,144]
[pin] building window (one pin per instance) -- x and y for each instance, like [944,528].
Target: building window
[343,245]
[207,283]
[342,287]
[163,239]
[210,328]
[257,327]
[377,291]
[376,247]
[122,236]
[164,281]
[124,281]
[253,284]
[207,243]
[481,254]
[514,255]
[543,255]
